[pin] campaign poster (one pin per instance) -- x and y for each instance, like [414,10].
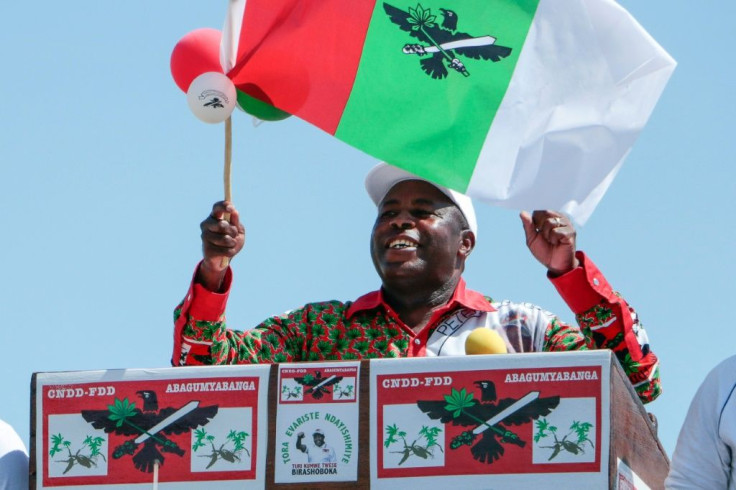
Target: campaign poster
[176,428]
[504,421]
[317,422]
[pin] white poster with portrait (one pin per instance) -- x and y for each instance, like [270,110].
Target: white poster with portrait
[317,423]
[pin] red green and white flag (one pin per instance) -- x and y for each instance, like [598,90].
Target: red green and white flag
[526,104]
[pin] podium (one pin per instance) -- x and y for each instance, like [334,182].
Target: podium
[570,420]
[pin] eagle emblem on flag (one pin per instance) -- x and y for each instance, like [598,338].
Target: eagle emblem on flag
[441,43]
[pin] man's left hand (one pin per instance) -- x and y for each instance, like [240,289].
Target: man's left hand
[550,237]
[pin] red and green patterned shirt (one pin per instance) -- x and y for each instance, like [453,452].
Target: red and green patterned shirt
[368,328]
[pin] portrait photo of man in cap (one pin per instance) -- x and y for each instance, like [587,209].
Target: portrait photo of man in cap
[319,451]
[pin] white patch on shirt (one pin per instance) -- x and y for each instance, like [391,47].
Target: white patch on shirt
[521,325]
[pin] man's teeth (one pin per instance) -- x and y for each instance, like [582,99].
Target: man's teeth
[402,244]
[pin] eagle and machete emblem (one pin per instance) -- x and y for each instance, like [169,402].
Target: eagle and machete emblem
[442,43]
[486,421]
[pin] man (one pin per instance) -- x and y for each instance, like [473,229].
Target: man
[420,241]
[320,452]
[704,455]
[13,459]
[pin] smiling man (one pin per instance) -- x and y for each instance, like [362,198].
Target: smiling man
[421,238]
[320,452]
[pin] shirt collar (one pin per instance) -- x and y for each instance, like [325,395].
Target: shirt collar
[462,296]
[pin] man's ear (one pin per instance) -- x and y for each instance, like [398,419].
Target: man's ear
[467,243]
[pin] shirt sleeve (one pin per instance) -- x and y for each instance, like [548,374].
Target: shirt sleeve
[201,336]
[702,460]
[606,322]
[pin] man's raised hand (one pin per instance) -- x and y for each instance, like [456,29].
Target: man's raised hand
[550,237]
[221,241]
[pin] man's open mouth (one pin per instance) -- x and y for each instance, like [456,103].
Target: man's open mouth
[401,243]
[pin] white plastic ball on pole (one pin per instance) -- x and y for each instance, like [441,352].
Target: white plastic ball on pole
[212,97]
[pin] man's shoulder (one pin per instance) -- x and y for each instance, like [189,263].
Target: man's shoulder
[508,305]
[716,392]
[727,365]
[723,373]
[10,441]
[318,308]
[503,307]
[332,304]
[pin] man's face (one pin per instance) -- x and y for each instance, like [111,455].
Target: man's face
[418,236]
[319,439]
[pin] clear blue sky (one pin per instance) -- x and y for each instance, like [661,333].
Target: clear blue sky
[106,175]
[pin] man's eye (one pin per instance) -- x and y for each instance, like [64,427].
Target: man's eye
[423,213]
[388,214]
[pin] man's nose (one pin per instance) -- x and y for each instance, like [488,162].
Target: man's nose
[403,220]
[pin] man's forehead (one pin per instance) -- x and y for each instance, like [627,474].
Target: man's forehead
[416,192]
[384,178]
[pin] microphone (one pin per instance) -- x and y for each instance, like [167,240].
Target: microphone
[484,341]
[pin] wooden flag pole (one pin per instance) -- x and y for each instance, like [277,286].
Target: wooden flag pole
[228,157]
[226,174]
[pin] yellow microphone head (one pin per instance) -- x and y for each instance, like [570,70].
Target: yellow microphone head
[484,341]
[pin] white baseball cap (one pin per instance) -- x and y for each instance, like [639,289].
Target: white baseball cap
[383,177]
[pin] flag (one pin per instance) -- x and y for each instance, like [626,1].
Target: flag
[528,104]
